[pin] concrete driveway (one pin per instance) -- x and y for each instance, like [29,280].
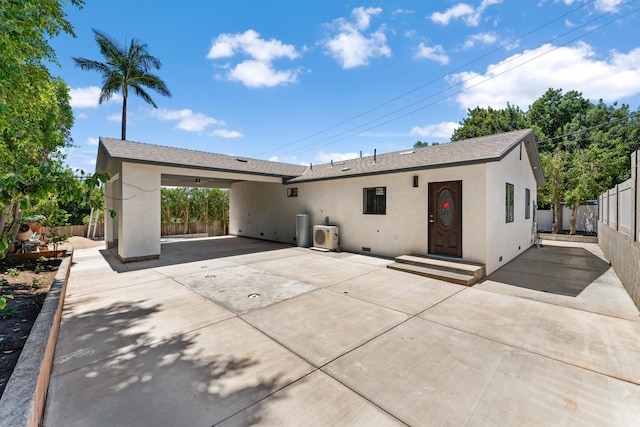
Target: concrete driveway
[235,332]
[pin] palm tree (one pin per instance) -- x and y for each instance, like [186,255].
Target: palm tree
[124,69]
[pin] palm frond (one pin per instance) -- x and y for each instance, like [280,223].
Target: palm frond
[111,85]
[152,82]
[89,64]
[123,68]
[140,92]
[109,48]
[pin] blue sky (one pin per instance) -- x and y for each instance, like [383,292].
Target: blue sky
[309,82]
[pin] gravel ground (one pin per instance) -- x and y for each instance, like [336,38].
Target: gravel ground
[79,242]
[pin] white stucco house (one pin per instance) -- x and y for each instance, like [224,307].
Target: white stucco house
[470,200]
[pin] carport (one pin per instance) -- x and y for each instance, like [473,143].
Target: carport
[137,172]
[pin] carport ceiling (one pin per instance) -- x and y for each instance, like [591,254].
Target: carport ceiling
[170,180]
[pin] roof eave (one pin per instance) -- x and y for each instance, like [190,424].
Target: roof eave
[399,170]
[197,167]
[531,146]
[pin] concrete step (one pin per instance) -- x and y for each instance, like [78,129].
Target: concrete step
[458,272]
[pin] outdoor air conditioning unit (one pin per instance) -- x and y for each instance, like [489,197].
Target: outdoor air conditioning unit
[326,237]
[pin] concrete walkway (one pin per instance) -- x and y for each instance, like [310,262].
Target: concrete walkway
[236,332]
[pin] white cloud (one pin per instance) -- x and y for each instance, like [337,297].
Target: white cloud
[482,38]
[187,120]
[350,46]
[258,70]
[257,74]
[92,141]
[84,97]
[463,11]
[435,53]
[608,5]
[439,130]
[403,12]
[601,5]
[362,16]
[523,78]
[225,133]
[250,43]
[115,117]
[336,157]
[87,97]
[90,162]
[81,116]
[454,12]
[293,160]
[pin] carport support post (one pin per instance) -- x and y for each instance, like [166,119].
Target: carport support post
[139,219]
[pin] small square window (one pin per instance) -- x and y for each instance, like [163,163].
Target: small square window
[527,203]
[374,200]
[292,192]
[509,203]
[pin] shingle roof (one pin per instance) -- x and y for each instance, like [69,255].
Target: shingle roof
[474,150]
[139,152]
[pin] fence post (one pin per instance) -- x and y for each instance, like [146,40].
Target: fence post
[634,197]
[617,207]
[600,217]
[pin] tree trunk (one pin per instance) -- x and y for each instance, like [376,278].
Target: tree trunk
[574,218]
[557,217]
[556,193]
[124,113]
[4,217]
[10,228]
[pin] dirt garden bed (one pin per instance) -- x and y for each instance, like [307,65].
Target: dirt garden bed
[28,282]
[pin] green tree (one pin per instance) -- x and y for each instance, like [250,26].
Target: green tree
[600,154]
[63,210]
[556,117]
[559,121]
[218,205]
[124,69]
[25,30]
[35,115]
[183,205]
[584,147]
[489,121]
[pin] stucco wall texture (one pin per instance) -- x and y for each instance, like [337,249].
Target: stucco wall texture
[264,211]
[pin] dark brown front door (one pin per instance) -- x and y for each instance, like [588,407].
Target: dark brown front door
[445,218]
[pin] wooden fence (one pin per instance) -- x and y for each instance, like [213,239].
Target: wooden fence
[74,230]
[214,229]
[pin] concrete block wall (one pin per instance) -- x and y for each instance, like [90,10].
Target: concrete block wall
[625,260]
[619,232]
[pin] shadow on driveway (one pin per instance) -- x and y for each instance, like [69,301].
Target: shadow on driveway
[189,385]
[554,269]
[192,250]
